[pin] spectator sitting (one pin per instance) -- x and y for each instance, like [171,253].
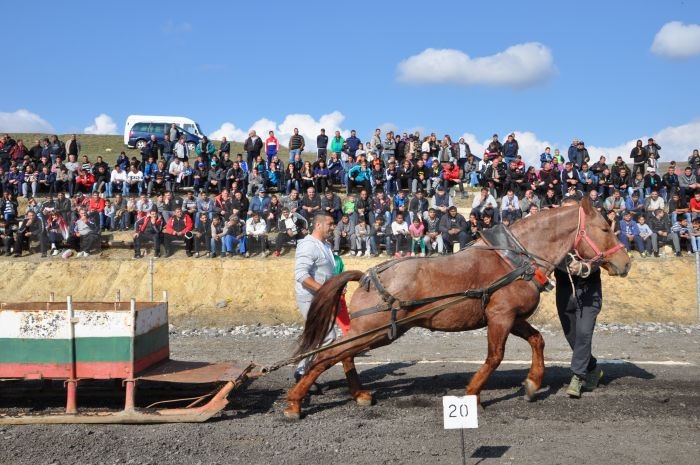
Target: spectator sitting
[330,203]
[178,227]
[377,236]
[256,234]
[433,236]
[645,234]
[235,236]
[453,227]
[292,227]
[484,203]
[86,236]
[202,234]
[634,205]
[615,203]
[630,233]
[441,201]
[510,207]
[654,202]
[400,235]
[695,236]
[344,234]
[660,225]
[417,232]
[148,229]
[682,232]
[362,238]
[260,204]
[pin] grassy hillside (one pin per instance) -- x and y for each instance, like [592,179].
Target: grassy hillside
[110,146]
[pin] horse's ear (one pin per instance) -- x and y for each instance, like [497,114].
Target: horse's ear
[587,206]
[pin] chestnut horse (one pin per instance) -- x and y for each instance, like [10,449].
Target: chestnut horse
[409,288]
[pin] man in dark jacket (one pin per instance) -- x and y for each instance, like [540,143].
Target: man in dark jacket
[253,145]
[322,144]
[453,227]
[32,229]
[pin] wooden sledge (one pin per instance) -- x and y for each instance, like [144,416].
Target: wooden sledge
[124,341]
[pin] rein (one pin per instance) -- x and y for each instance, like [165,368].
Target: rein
[484,293]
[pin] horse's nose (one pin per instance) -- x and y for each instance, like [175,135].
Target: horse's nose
[628,266]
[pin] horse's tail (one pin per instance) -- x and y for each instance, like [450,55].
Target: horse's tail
[322,312]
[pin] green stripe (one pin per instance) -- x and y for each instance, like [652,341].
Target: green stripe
[88,349]
[151,342]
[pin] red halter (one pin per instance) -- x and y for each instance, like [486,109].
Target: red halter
[581,234]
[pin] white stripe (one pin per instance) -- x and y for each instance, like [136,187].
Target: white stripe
[53,324]
[527,362]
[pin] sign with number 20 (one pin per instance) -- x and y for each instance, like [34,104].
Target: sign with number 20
[459,412]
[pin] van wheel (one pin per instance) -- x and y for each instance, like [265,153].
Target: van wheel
[141,143]
[191,146]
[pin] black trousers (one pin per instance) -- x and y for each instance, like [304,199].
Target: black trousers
[145,238]
[25,243]
[168,240]
[578,307]
[85,243]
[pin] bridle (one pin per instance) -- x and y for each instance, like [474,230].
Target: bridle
[581,235]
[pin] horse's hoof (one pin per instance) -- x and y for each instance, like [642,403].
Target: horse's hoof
[530,390]
[293,411]
[364,398]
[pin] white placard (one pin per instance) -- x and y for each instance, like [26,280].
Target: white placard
[459,412]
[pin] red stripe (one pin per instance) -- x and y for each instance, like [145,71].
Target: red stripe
[87,370]
[151,359]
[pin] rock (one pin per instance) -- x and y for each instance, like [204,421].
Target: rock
[221,303]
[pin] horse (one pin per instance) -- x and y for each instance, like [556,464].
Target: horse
[479,286]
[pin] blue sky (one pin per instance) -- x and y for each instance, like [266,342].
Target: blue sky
[605,72]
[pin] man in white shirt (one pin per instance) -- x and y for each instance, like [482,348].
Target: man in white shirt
[485,202]
[313,265]
[256,232]
[510,207]
[116,179]
[134,178]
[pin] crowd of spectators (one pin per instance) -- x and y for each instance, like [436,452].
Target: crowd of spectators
[394,193]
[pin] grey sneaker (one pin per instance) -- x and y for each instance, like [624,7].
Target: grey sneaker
[575,385]
[593,378]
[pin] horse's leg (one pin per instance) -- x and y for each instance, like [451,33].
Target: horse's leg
[498,327]
[523,329]
[326,359]
[357,391]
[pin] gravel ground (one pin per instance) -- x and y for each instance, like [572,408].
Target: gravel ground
[645,412]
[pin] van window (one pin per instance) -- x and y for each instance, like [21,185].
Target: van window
[140,127]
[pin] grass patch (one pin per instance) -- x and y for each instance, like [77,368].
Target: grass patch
[109,146]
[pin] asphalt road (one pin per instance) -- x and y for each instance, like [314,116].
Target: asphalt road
[646,410]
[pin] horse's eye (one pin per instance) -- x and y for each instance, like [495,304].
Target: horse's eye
[606,230]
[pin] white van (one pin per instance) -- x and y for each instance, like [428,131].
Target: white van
[187,124]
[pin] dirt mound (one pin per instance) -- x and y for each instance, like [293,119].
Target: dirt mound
[230,291]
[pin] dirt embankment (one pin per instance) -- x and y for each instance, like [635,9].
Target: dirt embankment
[224,292]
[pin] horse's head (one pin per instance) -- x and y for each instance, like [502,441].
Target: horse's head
[595,242]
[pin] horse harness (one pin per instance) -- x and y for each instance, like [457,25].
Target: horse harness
[499,239]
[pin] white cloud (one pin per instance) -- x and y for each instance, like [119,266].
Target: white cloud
[518,66]
[24,121]
[677,40]
[230,131]
[307,125]
[104,124]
